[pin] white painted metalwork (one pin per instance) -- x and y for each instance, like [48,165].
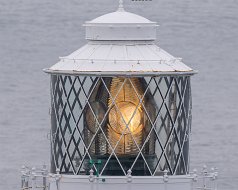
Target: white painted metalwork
[120,25]
[165,104]
[34,178]
[125,57]
[120,17]
[120,43]
[40,179]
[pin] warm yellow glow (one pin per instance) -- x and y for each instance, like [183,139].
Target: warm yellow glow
[126,115]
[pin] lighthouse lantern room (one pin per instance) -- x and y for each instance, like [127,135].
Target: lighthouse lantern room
[120,113]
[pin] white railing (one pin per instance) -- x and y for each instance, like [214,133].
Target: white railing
[34,178]
[40,179]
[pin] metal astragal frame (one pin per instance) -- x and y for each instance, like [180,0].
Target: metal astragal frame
[71,97]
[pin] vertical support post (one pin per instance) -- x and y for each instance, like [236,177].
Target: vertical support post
[57,177]
[53,121]
[44,174]
[204,173]
[33,178]
[91,176]
[91,179]
[216,176]
[26,184]
[166,179]
[22,182]
[129,179]
[195,178]
[23,170]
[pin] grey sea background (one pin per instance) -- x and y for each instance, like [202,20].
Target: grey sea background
[34,33]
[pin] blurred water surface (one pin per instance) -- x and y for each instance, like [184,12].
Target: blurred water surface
[34,33]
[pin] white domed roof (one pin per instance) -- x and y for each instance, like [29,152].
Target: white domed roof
[120,25]
[120,17]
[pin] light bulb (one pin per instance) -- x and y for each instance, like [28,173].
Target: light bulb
[125,118]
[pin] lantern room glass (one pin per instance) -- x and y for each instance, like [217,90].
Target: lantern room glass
[113,124]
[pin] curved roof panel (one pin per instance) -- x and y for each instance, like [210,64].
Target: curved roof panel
[120,58]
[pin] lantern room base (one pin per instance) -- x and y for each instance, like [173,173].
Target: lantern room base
[114,169]
[40,179]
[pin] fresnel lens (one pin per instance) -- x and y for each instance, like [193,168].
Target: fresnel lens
[119,105]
